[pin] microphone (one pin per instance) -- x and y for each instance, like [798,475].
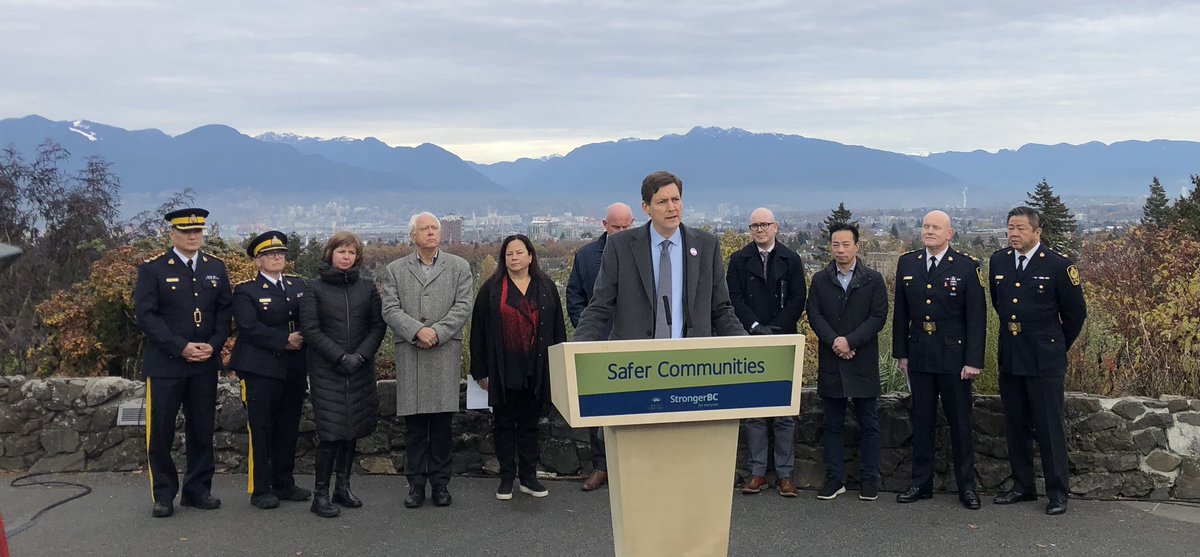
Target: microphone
[667,308]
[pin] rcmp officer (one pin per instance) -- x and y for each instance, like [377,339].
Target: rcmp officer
[269,358]
[182,300]
[939,327]
[1039,299]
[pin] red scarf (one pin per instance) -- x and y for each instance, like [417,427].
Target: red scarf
[519,323]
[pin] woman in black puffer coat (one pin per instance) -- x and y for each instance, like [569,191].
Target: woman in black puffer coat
[342,322]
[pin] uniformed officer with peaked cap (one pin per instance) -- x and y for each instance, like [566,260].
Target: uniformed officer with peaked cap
[1039,298]
[939,327]
[182,299]
[269,358]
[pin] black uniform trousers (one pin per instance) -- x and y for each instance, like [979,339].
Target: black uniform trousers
[956,398]
[273,409]
[429,448]
[1033,408]
[515,433]
[197,395]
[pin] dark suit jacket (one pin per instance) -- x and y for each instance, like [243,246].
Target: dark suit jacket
[265,316]
[175,306]
[777,300]
[1046,300]
[582,282]
[951,302]
[858,315]
[625,292]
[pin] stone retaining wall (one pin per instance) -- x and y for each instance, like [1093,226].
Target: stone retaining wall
[1132,447]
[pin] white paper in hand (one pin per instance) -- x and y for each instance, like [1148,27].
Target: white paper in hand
[477,398]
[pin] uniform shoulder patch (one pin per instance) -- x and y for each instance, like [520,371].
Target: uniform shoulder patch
[1073,274]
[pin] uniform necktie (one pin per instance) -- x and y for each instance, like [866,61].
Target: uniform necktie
[661,327]
[764,255]
[191,265]
[932,263]
[1021,263]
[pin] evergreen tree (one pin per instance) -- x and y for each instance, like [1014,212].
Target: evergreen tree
[1156,213]
[1186,212]
[895,232]
[1058,224]
[839,215]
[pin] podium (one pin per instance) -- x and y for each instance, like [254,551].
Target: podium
[670,411]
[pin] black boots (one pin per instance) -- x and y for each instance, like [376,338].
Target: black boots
[321,506]
[345,461]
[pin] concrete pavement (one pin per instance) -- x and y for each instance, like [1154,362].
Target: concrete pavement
[115,520]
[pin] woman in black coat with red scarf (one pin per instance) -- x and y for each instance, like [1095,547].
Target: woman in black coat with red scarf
[517,317]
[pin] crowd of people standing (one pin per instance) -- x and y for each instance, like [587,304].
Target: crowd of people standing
[318,338]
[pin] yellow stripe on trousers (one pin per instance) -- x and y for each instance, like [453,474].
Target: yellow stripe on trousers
[149,466]
[250,435]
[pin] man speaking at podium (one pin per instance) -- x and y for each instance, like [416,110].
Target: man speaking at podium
[661,280]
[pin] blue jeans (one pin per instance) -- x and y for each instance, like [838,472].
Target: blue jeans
[868,439]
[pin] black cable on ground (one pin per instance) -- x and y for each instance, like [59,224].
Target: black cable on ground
[28,481]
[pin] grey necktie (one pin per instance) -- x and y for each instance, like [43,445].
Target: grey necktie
[764,255]
[661,327]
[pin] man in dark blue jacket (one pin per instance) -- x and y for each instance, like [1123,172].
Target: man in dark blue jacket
[766,288]
[182,299]
[938,330]
[617,217]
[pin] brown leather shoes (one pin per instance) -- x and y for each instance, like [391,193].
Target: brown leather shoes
[594,481]
[755,485]
[786,488]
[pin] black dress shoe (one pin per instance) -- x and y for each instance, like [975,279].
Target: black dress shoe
[912,495]
[1056,507]
[163,509]
[970,500]
[204,502]
[293,493]
[441,497]
[1014,496]
[416,498]
[264,501]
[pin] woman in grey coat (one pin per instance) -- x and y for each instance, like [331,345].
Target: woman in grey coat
[426,302]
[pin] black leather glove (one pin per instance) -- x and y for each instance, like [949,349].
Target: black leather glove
[349,363]
[761,329]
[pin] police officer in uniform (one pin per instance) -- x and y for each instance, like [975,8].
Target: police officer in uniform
[269,358]
[939,327]
[1039,299]
[183,301]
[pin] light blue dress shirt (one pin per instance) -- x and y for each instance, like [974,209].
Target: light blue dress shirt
[656,240]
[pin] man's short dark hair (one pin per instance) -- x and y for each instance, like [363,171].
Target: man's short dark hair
[1035,220]
[657,180]
[840,226]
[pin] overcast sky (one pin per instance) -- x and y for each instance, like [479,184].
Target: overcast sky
[494,80]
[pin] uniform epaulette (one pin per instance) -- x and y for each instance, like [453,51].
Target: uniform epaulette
[206,254]
[911,252]
[971,257]
[1000,250]
[247,281]
[155,258]
[293,276]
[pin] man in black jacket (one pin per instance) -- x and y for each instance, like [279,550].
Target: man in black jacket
[847,306]
[617,217]
[938,330]
[182,299]
[766,288]
[1039,298]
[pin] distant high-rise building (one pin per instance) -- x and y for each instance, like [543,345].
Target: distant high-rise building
[452,229]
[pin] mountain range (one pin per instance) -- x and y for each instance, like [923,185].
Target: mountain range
[716,165]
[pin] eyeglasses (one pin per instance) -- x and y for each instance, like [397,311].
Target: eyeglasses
[274,254]
[760,226]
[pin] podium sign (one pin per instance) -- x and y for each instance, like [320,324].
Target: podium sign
[670,411]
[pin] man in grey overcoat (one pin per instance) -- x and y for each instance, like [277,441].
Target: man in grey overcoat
[426,302]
